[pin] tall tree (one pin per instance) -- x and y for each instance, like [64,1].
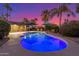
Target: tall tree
[33,24]
[59,11]
[77,7]
[9,10]
[45,16]
[66,20]
[26,22]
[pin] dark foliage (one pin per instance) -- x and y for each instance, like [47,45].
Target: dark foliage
[4,29]
[52,27]
[70,29]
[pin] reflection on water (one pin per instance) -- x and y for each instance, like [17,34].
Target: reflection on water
[40,42]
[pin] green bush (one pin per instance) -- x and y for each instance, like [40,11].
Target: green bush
[48,26]
[4,28]
[70,29]
[56,29]
[52,27]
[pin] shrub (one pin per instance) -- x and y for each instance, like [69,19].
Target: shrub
[52,27]
[70,29]
[48,26]
[56,29]
[4,28]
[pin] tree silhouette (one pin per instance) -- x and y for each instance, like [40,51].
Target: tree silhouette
[45,16]
[9,10]
[59,11]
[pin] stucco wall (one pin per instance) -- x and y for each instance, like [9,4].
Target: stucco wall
[17,28]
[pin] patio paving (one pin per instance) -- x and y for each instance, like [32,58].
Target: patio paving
[13,48]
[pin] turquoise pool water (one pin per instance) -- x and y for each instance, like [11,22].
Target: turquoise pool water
[42,42]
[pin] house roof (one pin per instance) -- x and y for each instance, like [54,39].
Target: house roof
[20,23]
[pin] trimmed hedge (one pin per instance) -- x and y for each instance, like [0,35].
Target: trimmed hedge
[4,29]
[70,29]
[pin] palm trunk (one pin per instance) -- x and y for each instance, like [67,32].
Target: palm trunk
[2,11]
[7,14]
[60,15]
[60,20]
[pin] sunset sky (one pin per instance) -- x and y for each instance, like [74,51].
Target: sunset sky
[31,10]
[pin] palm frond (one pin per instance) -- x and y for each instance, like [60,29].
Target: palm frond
[44,12]
[53,12]
[72,13]
[7,6]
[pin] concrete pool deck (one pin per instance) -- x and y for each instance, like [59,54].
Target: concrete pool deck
[13,48]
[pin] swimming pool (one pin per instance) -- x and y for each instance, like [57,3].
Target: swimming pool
[42,42]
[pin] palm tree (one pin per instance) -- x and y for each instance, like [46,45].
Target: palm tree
[33,24]
[77,7]
[35,19]
[45,16]
[59,11]
[66,21]
[9,9]
[26,22]
[2,9]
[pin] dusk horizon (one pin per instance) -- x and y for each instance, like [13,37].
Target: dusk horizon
[34,10]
